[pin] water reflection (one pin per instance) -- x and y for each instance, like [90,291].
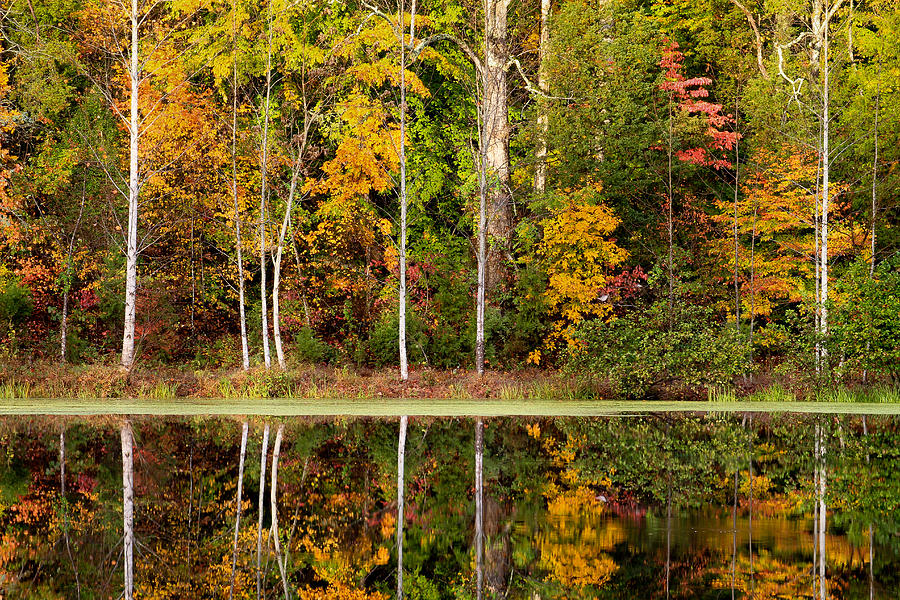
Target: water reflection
[650,507]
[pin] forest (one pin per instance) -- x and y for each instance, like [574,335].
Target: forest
[657,194]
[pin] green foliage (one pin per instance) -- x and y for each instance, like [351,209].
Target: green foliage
[865,331]
[642,350]
[309,348]
[383,345]
[15,302]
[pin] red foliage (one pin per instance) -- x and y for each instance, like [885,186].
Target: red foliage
[687,93]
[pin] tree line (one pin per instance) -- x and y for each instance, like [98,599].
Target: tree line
[617,187]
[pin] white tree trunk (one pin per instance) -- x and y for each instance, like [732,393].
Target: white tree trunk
[273,497]
[823,513]
[496,138]
[543,123]
[131,252]
[823,222]
[245,347]
[401,476]
[128,506]
[401,320]
[259,525]
[276,279]
[262,199]
[237,502]
[479,508]
[482,249]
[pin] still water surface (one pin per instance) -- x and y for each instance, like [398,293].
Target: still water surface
[661,505]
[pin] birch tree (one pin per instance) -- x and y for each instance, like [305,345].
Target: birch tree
[127,436]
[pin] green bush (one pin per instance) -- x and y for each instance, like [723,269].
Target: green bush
[15,302]
[310,349]
[383,344]
[643,349]
[865,325]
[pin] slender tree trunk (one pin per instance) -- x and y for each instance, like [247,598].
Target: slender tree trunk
[482,250]
[245,347]
[737,187]
[822,508]
[276,279]
[64,322]
[401,320]
[750,508]
[543,122]
[259,524]
[237,502]
[826,169]
[479,508]
[874,184]
[753,278]
[262,199]
[496,139]
[128,506]
[670,224]
[134,187]
[401,476]
[273,497]
[668,533]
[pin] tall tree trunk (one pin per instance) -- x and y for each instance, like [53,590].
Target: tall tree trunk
[134,187]
[259,524]
[750,507]
[543,123]
[245,348]
[128,506]
[482,250]
[273,497]
[262,199]
[479,508]
[67,286]
[276,279]
[826,169]
[237,502]
[496,139]
[401,317]
[734,535]
[737,187]
[670,223]
[401,477]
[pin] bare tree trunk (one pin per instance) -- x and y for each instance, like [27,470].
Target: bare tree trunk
[276,280]
[245,349]
[401,320]
[750,511]
[262,489]
[737,187]
[67,286]
[479,508]
[496,139]
[262,199]
[273,497]
[822,508]
[543,122]
[237,516]
[670,224]
[482,249]
[134,187]
[128,506]
[401,455]
[826,169]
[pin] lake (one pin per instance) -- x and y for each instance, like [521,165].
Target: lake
[577,500]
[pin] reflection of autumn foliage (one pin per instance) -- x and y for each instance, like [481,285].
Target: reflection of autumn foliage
[338,592]
[573,547]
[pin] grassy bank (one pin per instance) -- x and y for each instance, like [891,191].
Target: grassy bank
[53,380]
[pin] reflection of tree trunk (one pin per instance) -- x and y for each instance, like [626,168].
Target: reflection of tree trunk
[821,509]
[62,497]
[750,514]
[734,534]
[128,506]
[259,524]
[668,533]
[237,516]
[479,508]
[871,530]
[273,497]
[401,456]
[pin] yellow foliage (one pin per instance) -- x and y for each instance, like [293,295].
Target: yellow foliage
[338,592]
[578,254]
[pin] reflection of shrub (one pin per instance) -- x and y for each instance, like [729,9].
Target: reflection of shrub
[641,350]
